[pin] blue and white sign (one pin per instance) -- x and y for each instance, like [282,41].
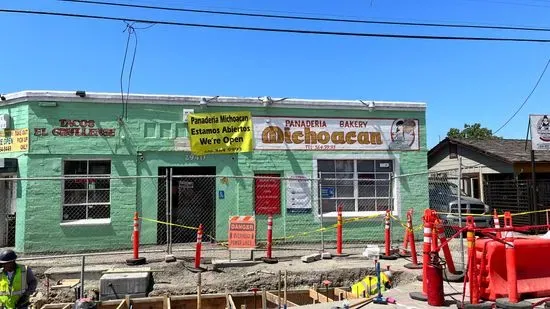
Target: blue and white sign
[221,194]
[327,192]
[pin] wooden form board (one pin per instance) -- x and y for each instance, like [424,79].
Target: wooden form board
[218,300]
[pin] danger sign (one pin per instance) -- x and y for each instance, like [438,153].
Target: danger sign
[242,232]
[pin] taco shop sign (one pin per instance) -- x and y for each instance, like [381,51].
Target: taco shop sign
[332,134]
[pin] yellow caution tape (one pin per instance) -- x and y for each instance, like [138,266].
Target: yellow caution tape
[168,223]
[490,215]
[323,229]
[333,226]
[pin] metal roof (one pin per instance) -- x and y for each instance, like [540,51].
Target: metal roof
[507,150]
[115,98]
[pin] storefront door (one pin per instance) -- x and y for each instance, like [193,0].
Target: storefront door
[7,212]
[191,202]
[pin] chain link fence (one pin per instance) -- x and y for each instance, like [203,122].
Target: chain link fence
[94,211]
[446,193]
[87,210]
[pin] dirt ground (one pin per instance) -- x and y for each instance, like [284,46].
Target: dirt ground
[176,278]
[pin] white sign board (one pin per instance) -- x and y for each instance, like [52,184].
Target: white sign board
[5,122]
[332,134]
[186,112]
[298,194]
[540,132]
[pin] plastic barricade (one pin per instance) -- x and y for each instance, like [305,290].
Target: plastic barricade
[533,273]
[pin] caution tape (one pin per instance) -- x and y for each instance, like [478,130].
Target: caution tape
[490,215]
[404,225]
[169,223]
[333,226]
[178,225]
[297,235]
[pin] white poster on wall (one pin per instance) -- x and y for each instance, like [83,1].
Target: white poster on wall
[333,134]
[298,194]
[540,132]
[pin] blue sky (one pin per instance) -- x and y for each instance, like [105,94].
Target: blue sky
[462,82]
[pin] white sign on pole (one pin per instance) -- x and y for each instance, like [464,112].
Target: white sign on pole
[540,132]
[332,134]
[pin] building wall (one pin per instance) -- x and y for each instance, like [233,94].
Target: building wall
[472,162]
[19,120]
[151,131]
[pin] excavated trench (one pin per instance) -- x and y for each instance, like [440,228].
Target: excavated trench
[177,279]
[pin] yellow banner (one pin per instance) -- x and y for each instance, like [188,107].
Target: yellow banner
[14,141]
[212,133]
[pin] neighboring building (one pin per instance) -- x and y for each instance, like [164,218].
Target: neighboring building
[72,135]
[497,171]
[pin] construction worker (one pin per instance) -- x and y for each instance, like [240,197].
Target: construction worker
[17,282]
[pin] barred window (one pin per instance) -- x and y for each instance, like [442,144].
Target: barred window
[86,189]
[356,185]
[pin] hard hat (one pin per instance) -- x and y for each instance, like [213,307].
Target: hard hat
[7,256]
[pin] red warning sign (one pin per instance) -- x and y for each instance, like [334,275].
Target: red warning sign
[242,232]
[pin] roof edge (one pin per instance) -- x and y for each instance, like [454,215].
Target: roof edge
[466,145]
[106,97]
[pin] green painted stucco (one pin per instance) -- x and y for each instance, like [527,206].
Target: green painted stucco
[150,131]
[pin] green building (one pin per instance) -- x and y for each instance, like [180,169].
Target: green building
[76,166]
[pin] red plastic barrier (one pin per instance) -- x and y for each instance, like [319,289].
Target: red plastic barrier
[434,273]
[511,270]
[407,234]
[269,236]
[472,260]
[414,256]
[532,271]
[198,248]
[339,232]
[428,229]
[136,236]
[387,236]
[445,247]
[496,223]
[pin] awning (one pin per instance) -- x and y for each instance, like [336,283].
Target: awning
[8,165]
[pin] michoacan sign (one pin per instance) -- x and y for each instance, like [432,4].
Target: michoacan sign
[289,133]
[212,133]
[15,141]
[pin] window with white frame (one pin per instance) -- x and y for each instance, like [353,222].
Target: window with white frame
[356,185]
[86,189]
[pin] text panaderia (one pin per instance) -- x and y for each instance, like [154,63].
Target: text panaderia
[220,132]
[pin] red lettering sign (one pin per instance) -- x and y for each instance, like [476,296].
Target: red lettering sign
[268,194]
[242,232]
[68,127]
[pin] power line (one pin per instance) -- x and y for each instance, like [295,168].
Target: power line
[279,30]
[527,98]
[289,17]
[131,31]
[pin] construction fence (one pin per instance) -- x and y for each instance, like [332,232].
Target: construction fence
[94,213]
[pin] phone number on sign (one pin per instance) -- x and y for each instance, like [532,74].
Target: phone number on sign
[320,147]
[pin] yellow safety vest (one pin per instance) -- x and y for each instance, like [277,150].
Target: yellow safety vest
[369,286]
[11,291]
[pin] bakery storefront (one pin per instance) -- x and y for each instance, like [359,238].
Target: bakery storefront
[87,166]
